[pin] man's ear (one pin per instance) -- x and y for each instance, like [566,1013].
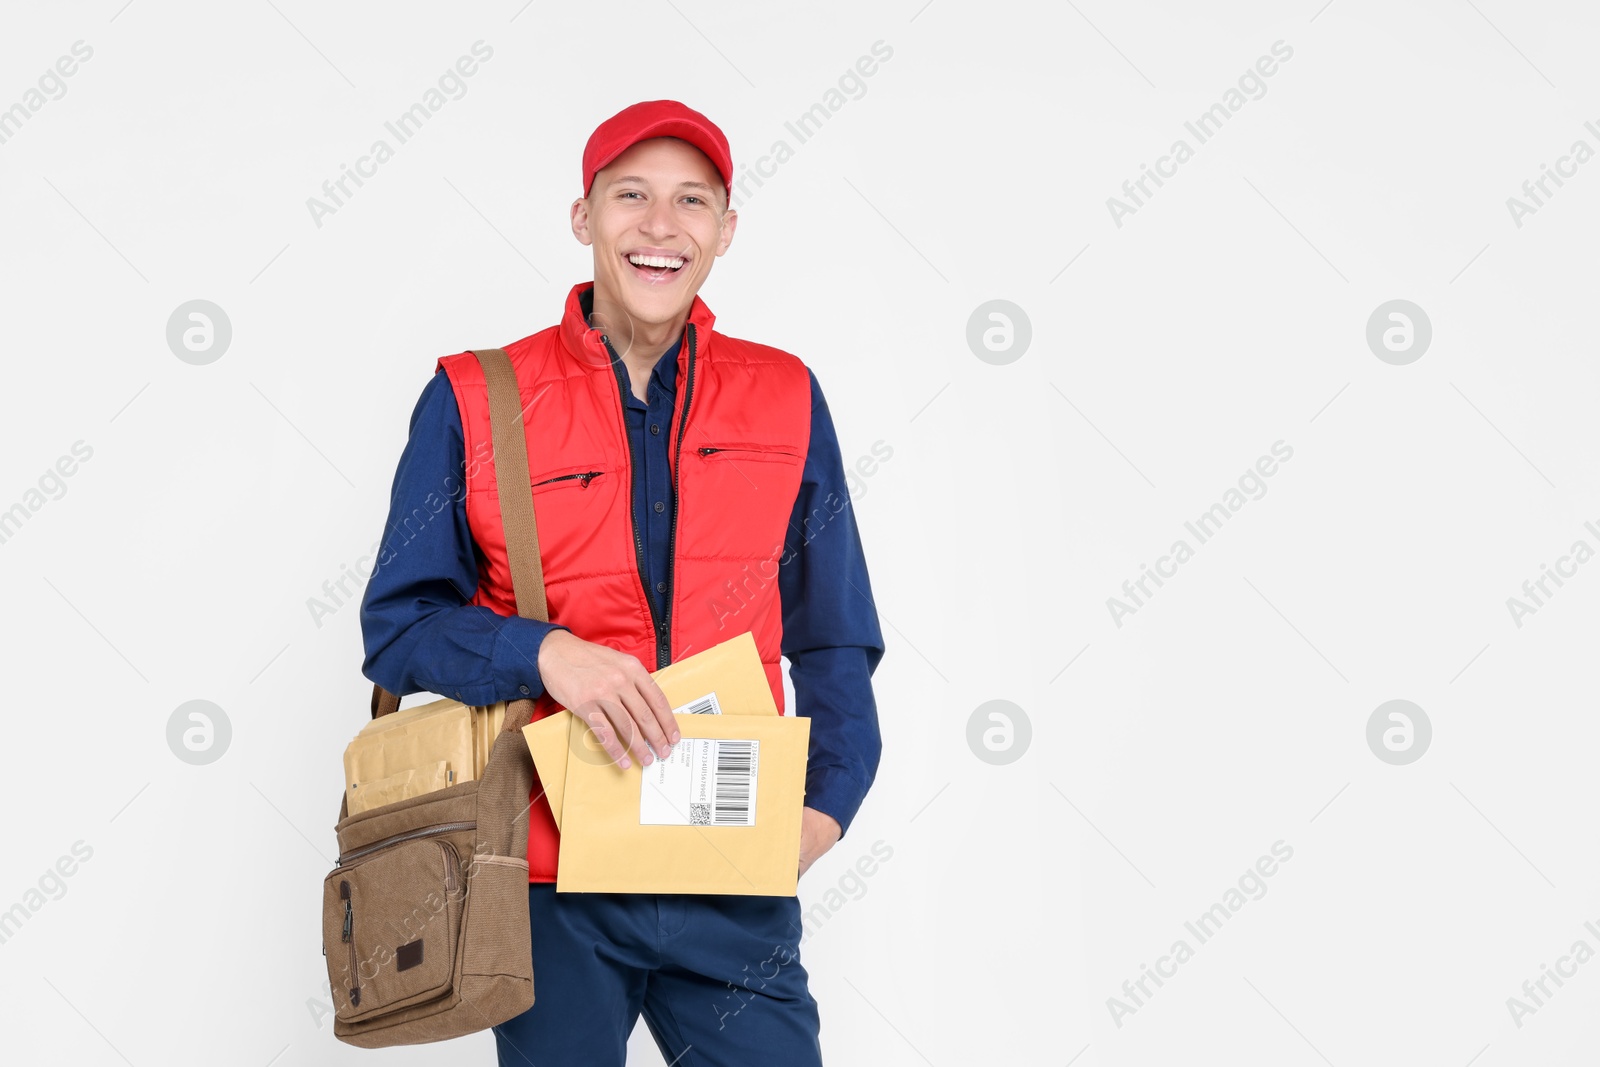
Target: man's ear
[730,222]
[580,221]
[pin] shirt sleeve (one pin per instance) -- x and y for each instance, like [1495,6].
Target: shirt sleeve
[831,634]
[419,631]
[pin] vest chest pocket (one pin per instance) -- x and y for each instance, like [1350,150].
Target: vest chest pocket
[577,506]
[740,495]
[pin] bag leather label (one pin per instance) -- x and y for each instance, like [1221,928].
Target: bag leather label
[408,956]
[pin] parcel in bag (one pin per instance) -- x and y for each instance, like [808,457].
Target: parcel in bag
[419,750]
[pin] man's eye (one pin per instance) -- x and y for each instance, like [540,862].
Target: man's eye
[696,199]
[627,192]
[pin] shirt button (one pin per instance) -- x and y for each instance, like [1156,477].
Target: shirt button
[661,587]
[524,690]
[655,428]
[660,507]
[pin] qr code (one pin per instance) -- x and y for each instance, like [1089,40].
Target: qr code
[699,814]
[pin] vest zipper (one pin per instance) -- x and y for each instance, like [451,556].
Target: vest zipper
[660,621]
[565,477]
[619,369]
[664,644]
[706,450]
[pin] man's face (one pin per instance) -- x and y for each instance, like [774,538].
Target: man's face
[664,199]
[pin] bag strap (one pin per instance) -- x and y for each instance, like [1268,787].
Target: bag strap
[516,500]
[512,484]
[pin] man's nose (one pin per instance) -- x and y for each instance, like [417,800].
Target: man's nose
[659,220]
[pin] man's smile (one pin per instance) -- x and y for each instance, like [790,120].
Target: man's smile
[655,266]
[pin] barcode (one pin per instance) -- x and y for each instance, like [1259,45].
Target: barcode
[699,814]
[706,705]
[735,774]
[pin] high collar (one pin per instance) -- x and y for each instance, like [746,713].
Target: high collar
[587,344]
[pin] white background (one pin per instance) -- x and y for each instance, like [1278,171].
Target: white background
[1168,353]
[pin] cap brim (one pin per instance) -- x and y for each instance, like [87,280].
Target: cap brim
[669,127]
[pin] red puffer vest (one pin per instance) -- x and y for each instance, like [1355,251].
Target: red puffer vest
[740,429]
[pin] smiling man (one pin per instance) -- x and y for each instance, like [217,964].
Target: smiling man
[688,487]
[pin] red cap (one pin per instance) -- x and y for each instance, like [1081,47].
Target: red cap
[656,118]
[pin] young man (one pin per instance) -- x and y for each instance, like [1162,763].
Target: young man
[688,487]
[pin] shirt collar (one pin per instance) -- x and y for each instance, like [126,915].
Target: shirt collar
[666,369]
[583,342]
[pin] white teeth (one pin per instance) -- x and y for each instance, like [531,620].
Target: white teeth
[655,261]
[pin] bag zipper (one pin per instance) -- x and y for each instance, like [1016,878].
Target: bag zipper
[451,860]
[426,831]
[583,478]
[355,974]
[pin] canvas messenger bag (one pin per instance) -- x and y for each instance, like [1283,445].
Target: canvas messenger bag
[425,916]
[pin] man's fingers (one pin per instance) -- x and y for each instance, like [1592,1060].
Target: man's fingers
[614,739]
[659,708]
[634,715]
[649,728]
[600,730]
[629,735]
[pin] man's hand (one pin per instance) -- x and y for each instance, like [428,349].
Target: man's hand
[818,833]
[611,692]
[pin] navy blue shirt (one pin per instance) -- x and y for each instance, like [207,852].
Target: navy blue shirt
[648,424]
[421,634]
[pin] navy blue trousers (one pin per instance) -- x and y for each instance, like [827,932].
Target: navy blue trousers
[718,979]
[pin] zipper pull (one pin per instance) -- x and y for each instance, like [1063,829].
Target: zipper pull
[704,451]
[346,935]
[583,479]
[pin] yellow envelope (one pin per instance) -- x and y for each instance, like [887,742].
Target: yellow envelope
[720,815]
[731,670]
[547,740]
[730,673]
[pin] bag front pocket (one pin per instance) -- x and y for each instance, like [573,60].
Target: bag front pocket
[391,926]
